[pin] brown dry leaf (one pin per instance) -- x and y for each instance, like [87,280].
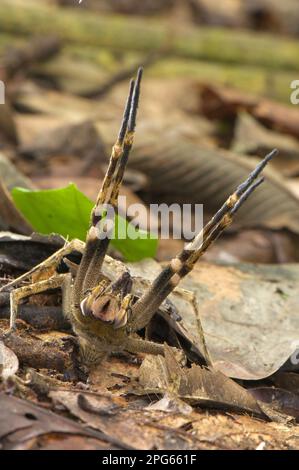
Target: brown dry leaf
[115,374]
[9,363]
[135,423]
[287,380]
[19,253]
[30,126]
[254,139]
[65,442]
[273,15]
[70,108]
[254,246]
[278,116]
[249,316]
[239,306]
[219,102]
[197,386]
[10,217]
[22,423]
[181,171]
[71,74]
[232,432]
[80,140]
[8,128]
[105,414]
[282,400]
[54,350]
[172,429]
[17,60]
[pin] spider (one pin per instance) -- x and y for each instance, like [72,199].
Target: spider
[105,315]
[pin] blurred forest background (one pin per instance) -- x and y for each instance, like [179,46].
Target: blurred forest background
[216,96]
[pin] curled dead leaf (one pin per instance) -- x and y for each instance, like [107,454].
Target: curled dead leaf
[197,386]
[9,363]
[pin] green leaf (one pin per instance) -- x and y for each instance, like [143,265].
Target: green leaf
[67,211]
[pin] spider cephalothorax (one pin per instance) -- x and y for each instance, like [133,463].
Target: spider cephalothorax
[105,315]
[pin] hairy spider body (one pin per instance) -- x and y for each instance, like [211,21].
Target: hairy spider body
[106,314]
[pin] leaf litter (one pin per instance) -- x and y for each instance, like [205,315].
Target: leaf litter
[248,312]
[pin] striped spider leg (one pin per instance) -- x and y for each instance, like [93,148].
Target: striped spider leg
[144,309]
[87,289]
[84,286]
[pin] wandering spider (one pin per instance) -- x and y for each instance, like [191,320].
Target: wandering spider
[105,314]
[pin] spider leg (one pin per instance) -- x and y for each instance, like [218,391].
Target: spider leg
[26,291]
[204,349]
[144,309]
[97,240]
[52,262]
[140,345]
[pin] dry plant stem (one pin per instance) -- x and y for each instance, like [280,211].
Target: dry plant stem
[51,262]
[44,318]
[32,289]
[34,352]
